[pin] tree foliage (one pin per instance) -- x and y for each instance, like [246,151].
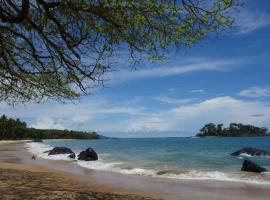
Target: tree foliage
[62,48]
[14,129]
[233,130]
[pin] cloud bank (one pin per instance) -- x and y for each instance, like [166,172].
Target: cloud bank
[255,92]
[164,71]
[106,116]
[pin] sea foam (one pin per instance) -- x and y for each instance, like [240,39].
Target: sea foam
[245,155]
[38,150]
[120,167]
[219,176]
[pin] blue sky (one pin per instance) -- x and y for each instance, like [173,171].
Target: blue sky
[222,79]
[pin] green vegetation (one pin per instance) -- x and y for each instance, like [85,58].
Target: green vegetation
[11,129]
[234,130]
[61,49]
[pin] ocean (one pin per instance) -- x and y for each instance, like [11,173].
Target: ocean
[177,158]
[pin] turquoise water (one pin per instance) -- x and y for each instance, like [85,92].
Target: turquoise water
[188,157]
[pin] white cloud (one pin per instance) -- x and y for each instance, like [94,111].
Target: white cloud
[247,20]
[148,123]
[156,72]
[48,123]
[197,91]
[255,92]
[192,117]
[71,116]
[106,116]
[170,100]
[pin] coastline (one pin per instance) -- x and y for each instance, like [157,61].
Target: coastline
[3,142]
[23,178]
[37,182]
[120,184]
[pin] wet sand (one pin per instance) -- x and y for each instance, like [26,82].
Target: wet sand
[24,182]
[22,178]
[119,184]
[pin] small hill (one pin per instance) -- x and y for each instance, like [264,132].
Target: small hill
[234,130]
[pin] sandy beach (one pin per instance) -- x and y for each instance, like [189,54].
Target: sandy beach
[134,100]
[23,178]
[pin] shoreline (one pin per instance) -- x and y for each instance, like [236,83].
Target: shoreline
[37,182]
[155,187]
[16,163]
[232,174]
[3,142]
[28,140]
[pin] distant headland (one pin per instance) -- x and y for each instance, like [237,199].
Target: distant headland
[234,130]
[15,129]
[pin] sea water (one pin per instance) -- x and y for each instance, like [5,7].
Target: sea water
[177,158]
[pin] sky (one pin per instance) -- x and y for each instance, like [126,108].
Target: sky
[221,79]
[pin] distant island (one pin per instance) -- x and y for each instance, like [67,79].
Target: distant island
[15,129]
[234,130]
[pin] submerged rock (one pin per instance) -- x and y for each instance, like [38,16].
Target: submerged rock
[59,150]
[88,155]
[250,166]
[73,155]
[251,151]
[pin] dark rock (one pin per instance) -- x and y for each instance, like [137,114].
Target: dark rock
[250,166]
[73,155]
[59,150]
[37,140]
[251,151]
[88,155]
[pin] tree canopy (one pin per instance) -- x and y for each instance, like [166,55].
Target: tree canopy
[61,49]
[234,130]
[15,129]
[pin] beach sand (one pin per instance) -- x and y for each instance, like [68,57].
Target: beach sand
[23,178]
[5,142]
[19,181]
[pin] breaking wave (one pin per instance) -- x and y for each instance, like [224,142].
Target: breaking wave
[120,167]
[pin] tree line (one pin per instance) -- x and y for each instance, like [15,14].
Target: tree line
[234,130]
[15,129]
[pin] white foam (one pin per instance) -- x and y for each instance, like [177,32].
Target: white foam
[38,149]
[248,155]
[245,155]
[263,178]
[188,175]
[218,176]
[138,171]
[114,167]
[99,165]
